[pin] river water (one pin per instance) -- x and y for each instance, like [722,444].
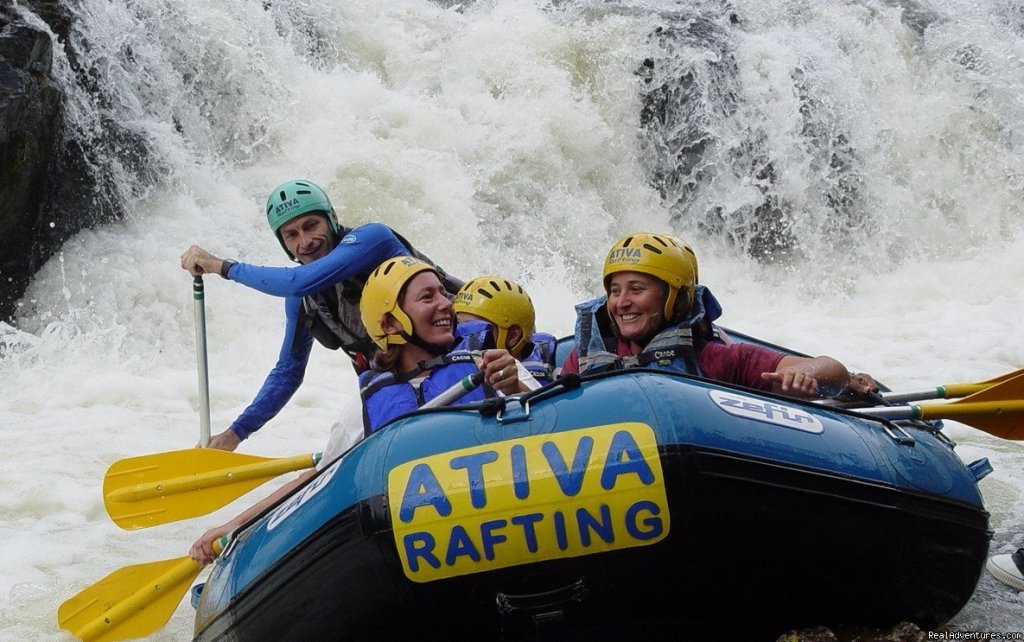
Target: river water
[850,175]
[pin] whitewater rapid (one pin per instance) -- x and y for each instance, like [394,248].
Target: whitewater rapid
[502,137]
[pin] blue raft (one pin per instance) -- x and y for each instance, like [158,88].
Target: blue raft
[630,504]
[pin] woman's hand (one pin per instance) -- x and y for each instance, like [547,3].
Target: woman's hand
[803,376]
[797,380]
[862,383]
[500,371]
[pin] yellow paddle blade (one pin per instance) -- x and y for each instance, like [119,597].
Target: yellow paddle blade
[962,389]
[139,492]
[997,410]
[128,603]
[949,390]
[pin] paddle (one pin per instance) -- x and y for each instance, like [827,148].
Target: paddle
[997,410]
[201,364]
[144,491]
[149,490]
[131,602]
[456,391]
[137,600]
[949,390]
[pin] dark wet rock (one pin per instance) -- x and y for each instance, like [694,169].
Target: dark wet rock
[691,134]
[915,16]
[30,120]
[902,632]
[54,180]
[696,140]
[817,634]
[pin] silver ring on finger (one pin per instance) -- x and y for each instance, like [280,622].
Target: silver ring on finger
[501,374]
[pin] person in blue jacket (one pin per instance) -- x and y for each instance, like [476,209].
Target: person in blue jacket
[508,309]
[408,314]
[321,295]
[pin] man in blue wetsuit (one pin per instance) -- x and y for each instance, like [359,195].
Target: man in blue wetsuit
[321,295]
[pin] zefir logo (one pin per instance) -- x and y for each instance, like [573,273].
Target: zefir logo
[525,500]
[297,500]
[767,411]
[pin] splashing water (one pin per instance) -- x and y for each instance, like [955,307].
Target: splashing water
[849,173]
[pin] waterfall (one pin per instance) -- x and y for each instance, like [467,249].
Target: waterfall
[850,174]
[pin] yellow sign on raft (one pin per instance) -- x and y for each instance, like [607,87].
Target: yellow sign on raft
[530,499]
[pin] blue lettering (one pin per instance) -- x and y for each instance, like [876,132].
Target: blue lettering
[624,457]
[291,504]
[460,544]
[423,489]
[489,538]
[653,525]
[569,480]
[559,518]
[420,545]
[797,417]
[520,478]
[768,410]
[586,522]
[527,521]
[474,465]
[757,408]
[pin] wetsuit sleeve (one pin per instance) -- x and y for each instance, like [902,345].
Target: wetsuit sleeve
[285,378]
[571,365]
[739,363]
[359,252]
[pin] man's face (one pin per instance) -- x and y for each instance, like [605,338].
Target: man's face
[308,237]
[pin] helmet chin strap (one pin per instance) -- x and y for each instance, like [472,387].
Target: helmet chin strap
[334,237]
[432,348]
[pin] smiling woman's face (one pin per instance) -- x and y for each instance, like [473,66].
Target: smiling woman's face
[428,307]
[636,303]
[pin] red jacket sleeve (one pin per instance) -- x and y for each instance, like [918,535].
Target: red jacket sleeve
[739,363]
[571,365]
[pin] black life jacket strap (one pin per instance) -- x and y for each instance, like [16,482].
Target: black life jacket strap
[459,356]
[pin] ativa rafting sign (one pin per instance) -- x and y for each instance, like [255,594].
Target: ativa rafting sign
[528,499]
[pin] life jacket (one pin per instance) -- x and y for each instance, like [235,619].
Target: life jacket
[332,314]
[539,357]
[672,349]
[411,389]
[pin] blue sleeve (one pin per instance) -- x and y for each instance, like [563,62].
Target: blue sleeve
[359,252]
[283,380]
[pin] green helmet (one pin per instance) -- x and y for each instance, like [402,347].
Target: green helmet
[293,199]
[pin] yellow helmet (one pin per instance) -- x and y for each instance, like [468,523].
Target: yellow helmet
[380,296]
[660,255]
[501,302]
